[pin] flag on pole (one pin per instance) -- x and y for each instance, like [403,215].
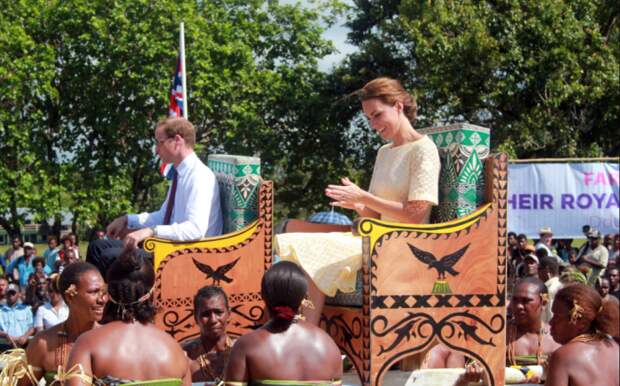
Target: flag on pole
[177,99]
[178,95]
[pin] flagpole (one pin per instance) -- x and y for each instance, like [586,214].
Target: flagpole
[183,81]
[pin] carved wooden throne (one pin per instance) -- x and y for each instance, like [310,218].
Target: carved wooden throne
[236,261]
[407,305]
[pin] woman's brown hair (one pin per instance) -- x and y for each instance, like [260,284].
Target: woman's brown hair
[389,91]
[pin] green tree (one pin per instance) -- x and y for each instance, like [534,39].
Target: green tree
[84,82]
[543,74]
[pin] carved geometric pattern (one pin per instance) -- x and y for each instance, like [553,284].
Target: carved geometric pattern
[436,301]
[266,214]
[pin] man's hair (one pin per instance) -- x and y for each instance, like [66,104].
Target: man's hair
[130,278]
[512,234]
[52,237]
[550,264]
[37,260]
[179,126]
[208,292]
[521,236]
[284,284]
[536,282]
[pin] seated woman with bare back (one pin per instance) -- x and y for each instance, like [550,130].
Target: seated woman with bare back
[585,325]
[130,349]
[287,350]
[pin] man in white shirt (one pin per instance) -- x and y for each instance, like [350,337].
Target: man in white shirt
[546,240]
[192,206]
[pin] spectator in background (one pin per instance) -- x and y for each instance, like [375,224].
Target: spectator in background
[595,256]
[51,253]
[99,234]
[55,310]
[516,264]
[513,244]
[563,247]
[4,284]
[67,244]
[23,266]
[69,257]
[16,324]
[614,282]
[36,292]
[549,273]
[38,263]
[602,287]
[523,243]
[608,241]
[530,264]
[74,239]
[573,254]
[614,253]
[545,241]
[13,253]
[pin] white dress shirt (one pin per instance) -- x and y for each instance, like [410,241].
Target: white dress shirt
[197,212]
[47,316]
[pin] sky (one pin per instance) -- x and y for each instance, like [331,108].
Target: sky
[337,34]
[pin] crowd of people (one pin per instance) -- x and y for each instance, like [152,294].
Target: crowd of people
[29,297]
[594,263]
[93,319]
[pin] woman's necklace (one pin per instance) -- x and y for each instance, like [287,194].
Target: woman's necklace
[588,337]
[205,363]
[62,350]
[512,338]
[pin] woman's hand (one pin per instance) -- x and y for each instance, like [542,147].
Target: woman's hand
[348,195]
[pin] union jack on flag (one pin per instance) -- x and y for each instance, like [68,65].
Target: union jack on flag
[176,108]
[177,104]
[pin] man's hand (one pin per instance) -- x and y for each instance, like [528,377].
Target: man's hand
[117,227]
[132,239]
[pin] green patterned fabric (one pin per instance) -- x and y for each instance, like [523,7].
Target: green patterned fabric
[462,148]
[239,180]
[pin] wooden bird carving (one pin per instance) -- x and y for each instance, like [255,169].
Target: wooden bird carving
[219,274]
[443,265]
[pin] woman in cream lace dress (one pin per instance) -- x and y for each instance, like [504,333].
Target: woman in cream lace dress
[403,188]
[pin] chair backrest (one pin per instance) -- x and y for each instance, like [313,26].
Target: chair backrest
[239,180]
[462,149]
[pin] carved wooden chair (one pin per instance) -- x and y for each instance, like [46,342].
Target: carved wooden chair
[236,260]
[441,282]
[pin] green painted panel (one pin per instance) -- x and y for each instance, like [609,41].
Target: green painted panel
[462,149]
[239,180]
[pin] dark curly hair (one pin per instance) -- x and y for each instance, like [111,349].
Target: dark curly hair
[209,292]
[130,280]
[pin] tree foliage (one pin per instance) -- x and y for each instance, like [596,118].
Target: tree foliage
[542,74]
[84,82]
